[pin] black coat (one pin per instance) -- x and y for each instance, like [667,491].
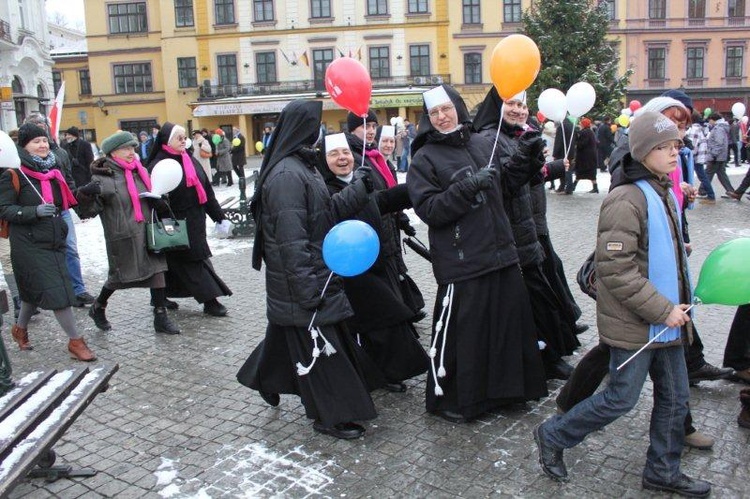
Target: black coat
[587,162]
[184,203]
[558,151]
[238,152]
[81,157]
[37,245]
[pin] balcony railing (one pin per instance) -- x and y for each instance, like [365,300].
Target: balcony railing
[5,31]
[211,92]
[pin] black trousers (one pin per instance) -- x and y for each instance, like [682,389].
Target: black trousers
[737,351]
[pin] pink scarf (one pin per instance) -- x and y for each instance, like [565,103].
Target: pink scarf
[68,199]
[191,178]
[132,189]
[676,177]
[382,166]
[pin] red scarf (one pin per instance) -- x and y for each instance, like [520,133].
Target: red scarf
[382,167]
[132,189]
[68,199]
[191,178]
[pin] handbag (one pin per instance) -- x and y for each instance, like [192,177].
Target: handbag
[586,276]
[167,234]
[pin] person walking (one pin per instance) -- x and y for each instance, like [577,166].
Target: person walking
[223,159]
[38,237]
[565,137]
[202,152]
[698,138]
[81,155]
[191,273]
[718,152]
[239,158]
[605,140]
[638,231]
[121,179]
[586,155]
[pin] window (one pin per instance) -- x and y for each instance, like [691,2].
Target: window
[320,8]
[611,9]
[133,78]
[377,7]
[187,72]
[56,81]
[137,126]
[657,9]
[227,65]
[262,10]
[419,60]
[84,78]
[471,12]
[321,59]
[183,13]
[265,66]
[734,62]
[656,63]
[42,99]
[512,11]
[224,11]
[22,15]
[127,17]
[695,62]
[418,7]
[380,62]
[473,68]
[697,9]
[736,8]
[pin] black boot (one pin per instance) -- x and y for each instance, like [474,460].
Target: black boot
[96,312]
[595,190]
[162,323]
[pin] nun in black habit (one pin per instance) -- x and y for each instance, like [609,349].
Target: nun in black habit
[484,352]
[307,350]
[190,272]
[381,319]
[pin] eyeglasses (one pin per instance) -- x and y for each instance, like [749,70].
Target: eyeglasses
[668,146]
[445,109]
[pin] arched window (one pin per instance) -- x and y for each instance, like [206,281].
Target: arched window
[18,99]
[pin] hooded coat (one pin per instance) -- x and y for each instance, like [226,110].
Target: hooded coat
[223,155]
[718,142]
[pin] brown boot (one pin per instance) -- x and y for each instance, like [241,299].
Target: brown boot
[80,350]
[21,336]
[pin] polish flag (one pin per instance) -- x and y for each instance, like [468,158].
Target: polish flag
[55,113]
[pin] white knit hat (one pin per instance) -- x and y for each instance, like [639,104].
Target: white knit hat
[336,141]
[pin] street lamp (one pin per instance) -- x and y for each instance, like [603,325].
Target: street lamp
[100,104]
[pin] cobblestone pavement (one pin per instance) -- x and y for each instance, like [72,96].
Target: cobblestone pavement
[175,422]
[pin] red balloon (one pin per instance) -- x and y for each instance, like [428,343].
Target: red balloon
[634,105]
[540,116]
[349,85]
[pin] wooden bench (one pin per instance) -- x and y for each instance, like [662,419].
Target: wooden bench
[36,412]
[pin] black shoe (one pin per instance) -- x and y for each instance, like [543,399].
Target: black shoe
[168,304]
[271,399]
[595,190]
[84,299]
[396,387]
[708,372]
[550,459]
[96,312]
[581,327]
[214,308]
[345,431]
[418,316]
[684,486]
[559,370]
[452,417]
[162,323]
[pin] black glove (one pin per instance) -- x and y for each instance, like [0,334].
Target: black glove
[363,173]
[46,210]
[91,189]
[530,145]
[483,180]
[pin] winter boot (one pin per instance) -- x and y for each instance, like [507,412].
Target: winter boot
[162,323]
[595,190]
[21,336]
[79,350]
[96,312]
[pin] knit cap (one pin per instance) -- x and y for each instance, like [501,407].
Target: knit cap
[29,132]
[353,121]
[117,140]
[648,131]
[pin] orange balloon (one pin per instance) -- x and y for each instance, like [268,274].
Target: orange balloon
[514,65]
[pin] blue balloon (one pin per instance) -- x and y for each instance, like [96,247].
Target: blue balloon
[350,248]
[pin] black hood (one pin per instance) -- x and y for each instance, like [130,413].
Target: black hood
[428,133]
[162,138]
[488,113]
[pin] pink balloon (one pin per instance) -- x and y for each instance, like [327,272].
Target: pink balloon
[635,105]
[349,85]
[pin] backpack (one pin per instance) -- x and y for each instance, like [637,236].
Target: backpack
[4,224]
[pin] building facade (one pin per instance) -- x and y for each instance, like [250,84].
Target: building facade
[224,63]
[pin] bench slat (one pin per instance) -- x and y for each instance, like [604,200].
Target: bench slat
[27,453]
[22,391]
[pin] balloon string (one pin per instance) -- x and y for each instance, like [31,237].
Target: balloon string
[364,141]
[321,295]
[497,135]
[32,186]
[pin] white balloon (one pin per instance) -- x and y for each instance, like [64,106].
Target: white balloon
[8,152]
[166,175]
[738,110]
[626,111]
[580,99]
[188,143]
[552,104]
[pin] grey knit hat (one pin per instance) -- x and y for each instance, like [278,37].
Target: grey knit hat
[117,140]
[649,130]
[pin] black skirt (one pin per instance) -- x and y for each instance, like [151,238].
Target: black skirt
[194,278]
[337,388]
[491,354]
[552,267]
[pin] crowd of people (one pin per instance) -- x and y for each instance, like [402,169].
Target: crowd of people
[504,317]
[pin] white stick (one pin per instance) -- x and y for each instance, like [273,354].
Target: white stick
[497,135]
[570,144]
[650,341]
[32,185]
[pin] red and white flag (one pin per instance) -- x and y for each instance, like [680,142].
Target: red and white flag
[55,113]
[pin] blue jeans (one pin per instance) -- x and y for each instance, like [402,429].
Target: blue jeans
[700,172]
[669,375]
[71,255]
[403,163]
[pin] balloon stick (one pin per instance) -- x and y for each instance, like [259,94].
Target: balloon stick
[570,144]
[321,295]
[654,338]
[497,135]
[32,185]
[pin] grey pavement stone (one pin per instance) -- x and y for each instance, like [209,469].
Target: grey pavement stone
[176,423]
